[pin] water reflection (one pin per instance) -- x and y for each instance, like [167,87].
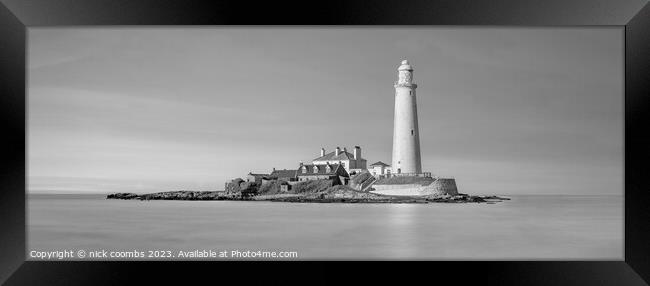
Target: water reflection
[401,231]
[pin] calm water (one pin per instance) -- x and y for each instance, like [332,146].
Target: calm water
[527,227]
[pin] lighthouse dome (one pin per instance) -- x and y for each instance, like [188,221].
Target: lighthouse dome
[405,66]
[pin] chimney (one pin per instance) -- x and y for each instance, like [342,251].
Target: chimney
[273,169]
[357,152]
[337,151]
[345,149]
[300,163]
[322,152]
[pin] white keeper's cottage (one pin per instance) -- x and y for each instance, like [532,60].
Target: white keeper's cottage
[352,162]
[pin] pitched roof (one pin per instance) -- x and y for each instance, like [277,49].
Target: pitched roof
[379,163]
[343,155]
[283,173]
[322,169]
[257,175]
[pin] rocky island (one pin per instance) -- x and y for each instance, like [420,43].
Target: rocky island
[315,191]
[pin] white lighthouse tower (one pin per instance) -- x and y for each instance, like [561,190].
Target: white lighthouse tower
[406,136]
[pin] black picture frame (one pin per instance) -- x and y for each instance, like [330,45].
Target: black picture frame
[17,15]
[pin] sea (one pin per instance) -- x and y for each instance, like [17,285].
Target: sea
[527,227]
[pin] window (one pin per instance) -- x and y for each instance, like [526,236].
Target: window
[304,170]
[328,169]
[411,132]
[315,169]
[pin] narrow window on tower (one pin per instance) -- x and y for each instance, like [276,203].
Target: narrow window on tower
[410,92]
[411,132]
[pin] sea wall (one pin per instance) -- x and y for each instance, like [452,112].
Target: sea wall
[443,185]
[393,187]
[439,186]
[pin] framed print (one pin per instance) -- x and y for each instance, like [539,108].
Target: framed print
[498,142]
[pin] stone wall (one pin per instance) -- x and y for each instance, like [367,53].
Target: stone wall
[442,185]
[391,187]
[439,186]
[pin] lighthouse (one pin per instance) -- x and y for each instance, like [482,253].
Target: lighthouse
[406,136]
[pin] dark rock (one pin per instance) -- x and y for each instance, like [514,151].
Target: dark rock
[177,195]
[475,199]
[496,198]
[122,196]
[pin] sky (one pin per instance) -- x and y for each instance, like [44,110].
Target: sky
[147,109]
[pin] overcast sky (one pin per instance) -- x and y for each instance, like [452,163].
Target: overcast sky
[503,110]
